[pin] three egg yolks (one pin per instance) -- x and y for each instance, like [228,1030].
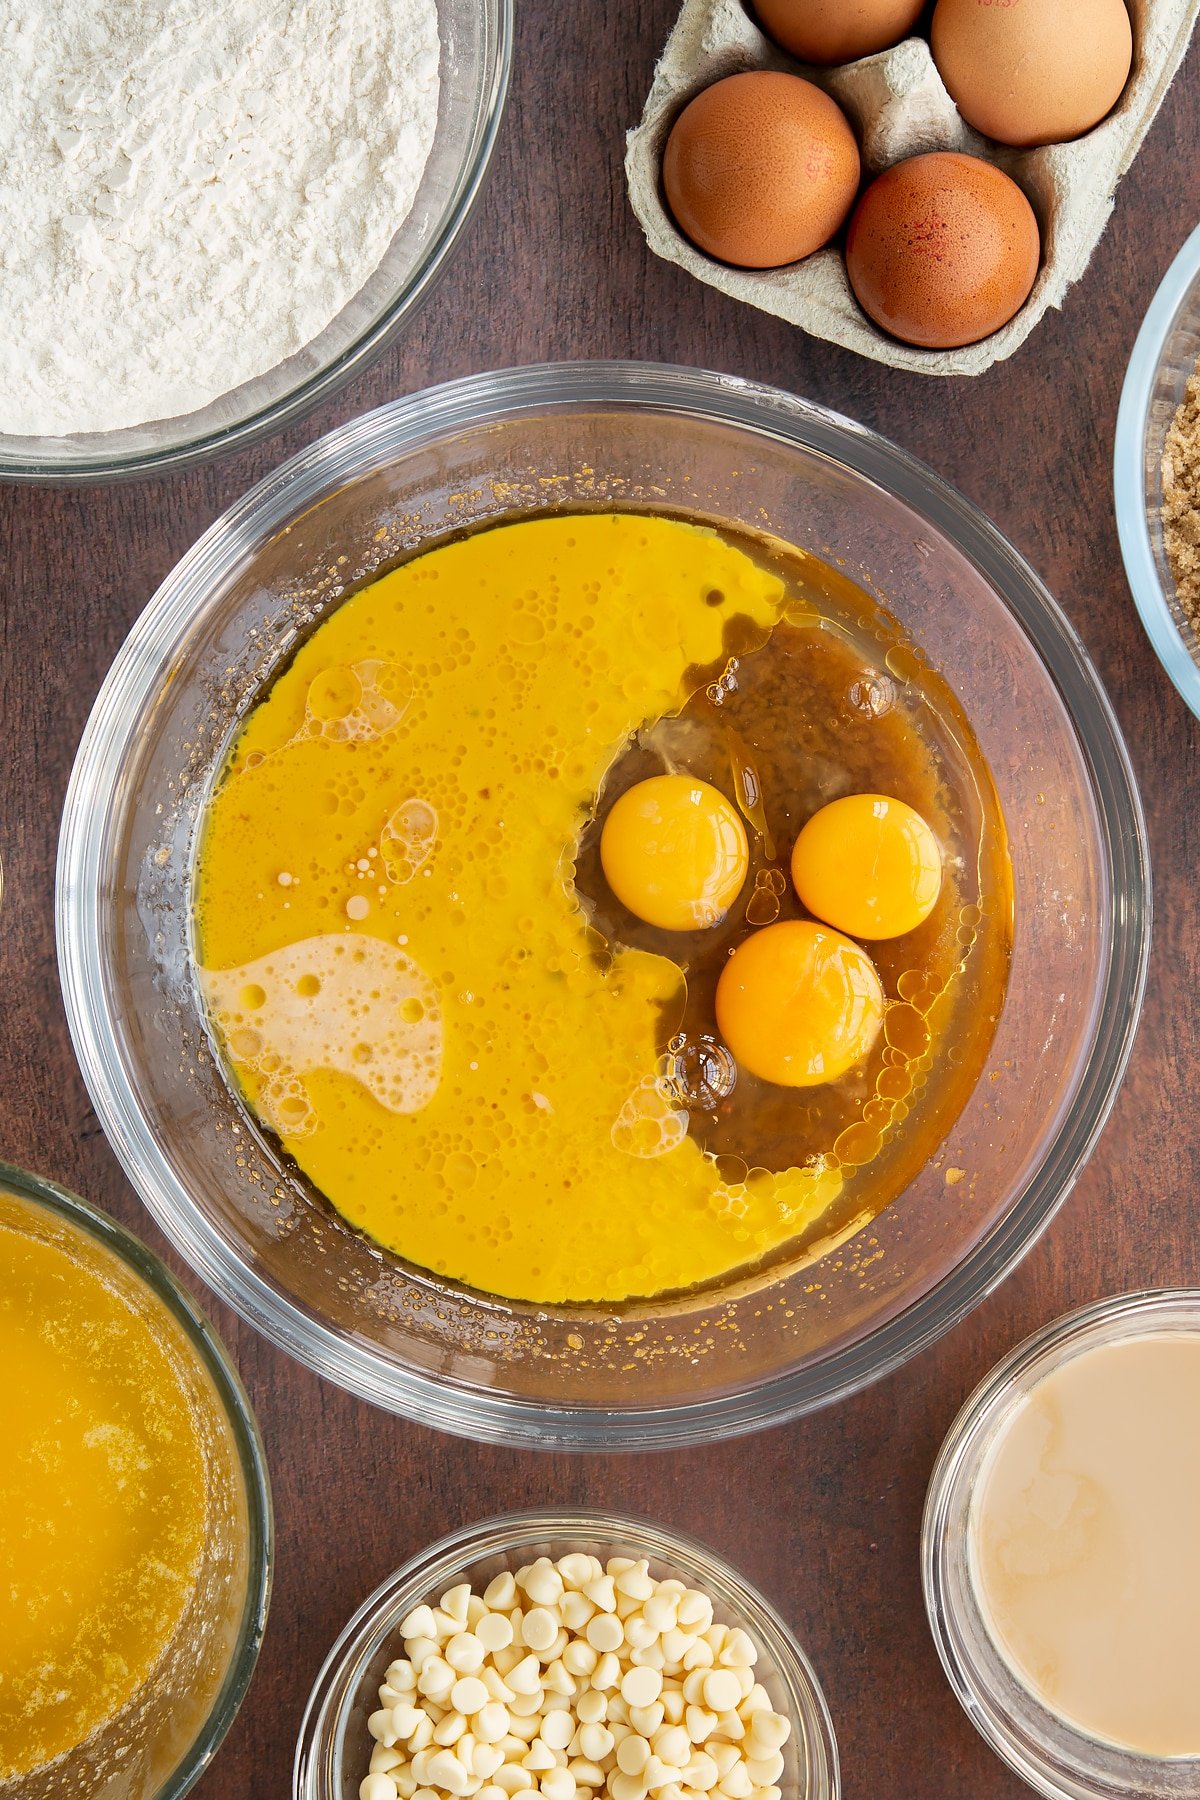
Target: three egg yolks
[797,1005]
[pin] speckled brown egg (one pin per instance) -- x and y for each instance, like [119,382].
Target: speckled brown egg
[760,169]
[1033,71]
[837,31]
[942,250]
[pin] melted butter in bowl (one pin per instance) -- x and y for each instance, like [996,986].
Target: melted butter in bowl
[422,984]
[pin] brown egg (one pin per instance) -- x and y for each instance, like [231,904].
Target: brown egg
[942,250]
[761,169]
[837,31]
[1033,71]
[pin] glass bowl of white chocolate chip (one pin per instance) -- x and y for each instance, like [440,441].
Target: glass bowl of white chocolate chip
[576,1656]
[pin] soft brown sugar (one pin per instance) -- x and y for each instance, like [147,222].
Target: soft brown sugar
[1181,501]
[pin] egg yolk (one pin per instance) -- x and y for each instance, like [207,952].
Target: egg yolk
[798,1004]
[869,865]
[674,852]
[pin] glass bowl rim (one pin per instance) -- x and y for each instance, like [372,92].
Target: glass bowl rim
[251,1454]
[1135,1310]
[358,355]
[469,403]
[506,1532]
[1129,492]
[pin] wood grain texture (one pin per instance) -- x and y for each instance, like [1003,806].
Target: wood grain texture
[824,1514]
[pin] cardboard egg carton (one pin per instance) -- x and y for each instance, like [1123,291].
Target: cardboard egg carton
[899,107]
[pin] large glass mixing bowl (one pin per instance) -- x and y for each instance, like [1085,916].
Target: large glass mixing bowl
[646,1374]
[476,53]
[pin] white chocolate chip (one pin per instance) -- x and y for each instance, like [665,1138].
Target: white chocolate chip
[526,1678]
[513,1779]
[468,1695]
[558,1728]
[579,1658]
[672,1745]
[464,1652]
[456,1601]
[701,1772]
[635,1582]
[602,1593]
[633,1753]
[445,1771]
[493,1631]
[500,1594]
[575,1569]
[544,1584]
[661,1610]
[383,1760]
[641,1687]
[422,1734]
[639,1631]
[765,1770]
[604,1633]
[647,1719]
[539,1628]
[595,1742]
[722,1690]
[607,1673]
[575,1609]
[377,1787]
[418,1624]
[700,1723]
[768,1729]
[491,1722]
[736,1783]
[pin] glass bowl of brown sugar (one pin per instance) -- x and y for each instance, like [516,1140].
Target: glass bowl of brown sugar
[1156,472]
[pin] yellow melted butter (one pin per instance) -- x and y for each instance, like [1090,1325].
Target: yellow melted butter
[102,1494]
[401,808]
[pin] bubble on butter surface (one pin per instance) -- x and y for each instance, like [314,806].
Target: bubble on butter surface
[408,839]
[357,702]
[346,1003]
[650,1123]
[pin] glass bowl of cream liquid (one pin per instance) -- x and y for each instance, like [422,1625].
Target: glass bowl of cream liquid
[1061,1552]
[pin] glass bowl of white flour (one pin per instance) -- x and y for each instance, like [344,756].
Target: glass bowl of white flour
[211,217]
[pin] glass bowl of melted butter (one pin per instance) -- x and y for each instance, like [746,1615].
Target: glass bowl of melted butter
[602,904]
[135,1524]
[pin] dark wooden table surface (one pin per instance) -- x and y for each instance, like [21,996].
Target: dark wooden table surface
[824,1514]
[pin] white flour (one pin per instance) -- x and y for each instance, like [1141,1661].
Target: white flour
[190,192]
